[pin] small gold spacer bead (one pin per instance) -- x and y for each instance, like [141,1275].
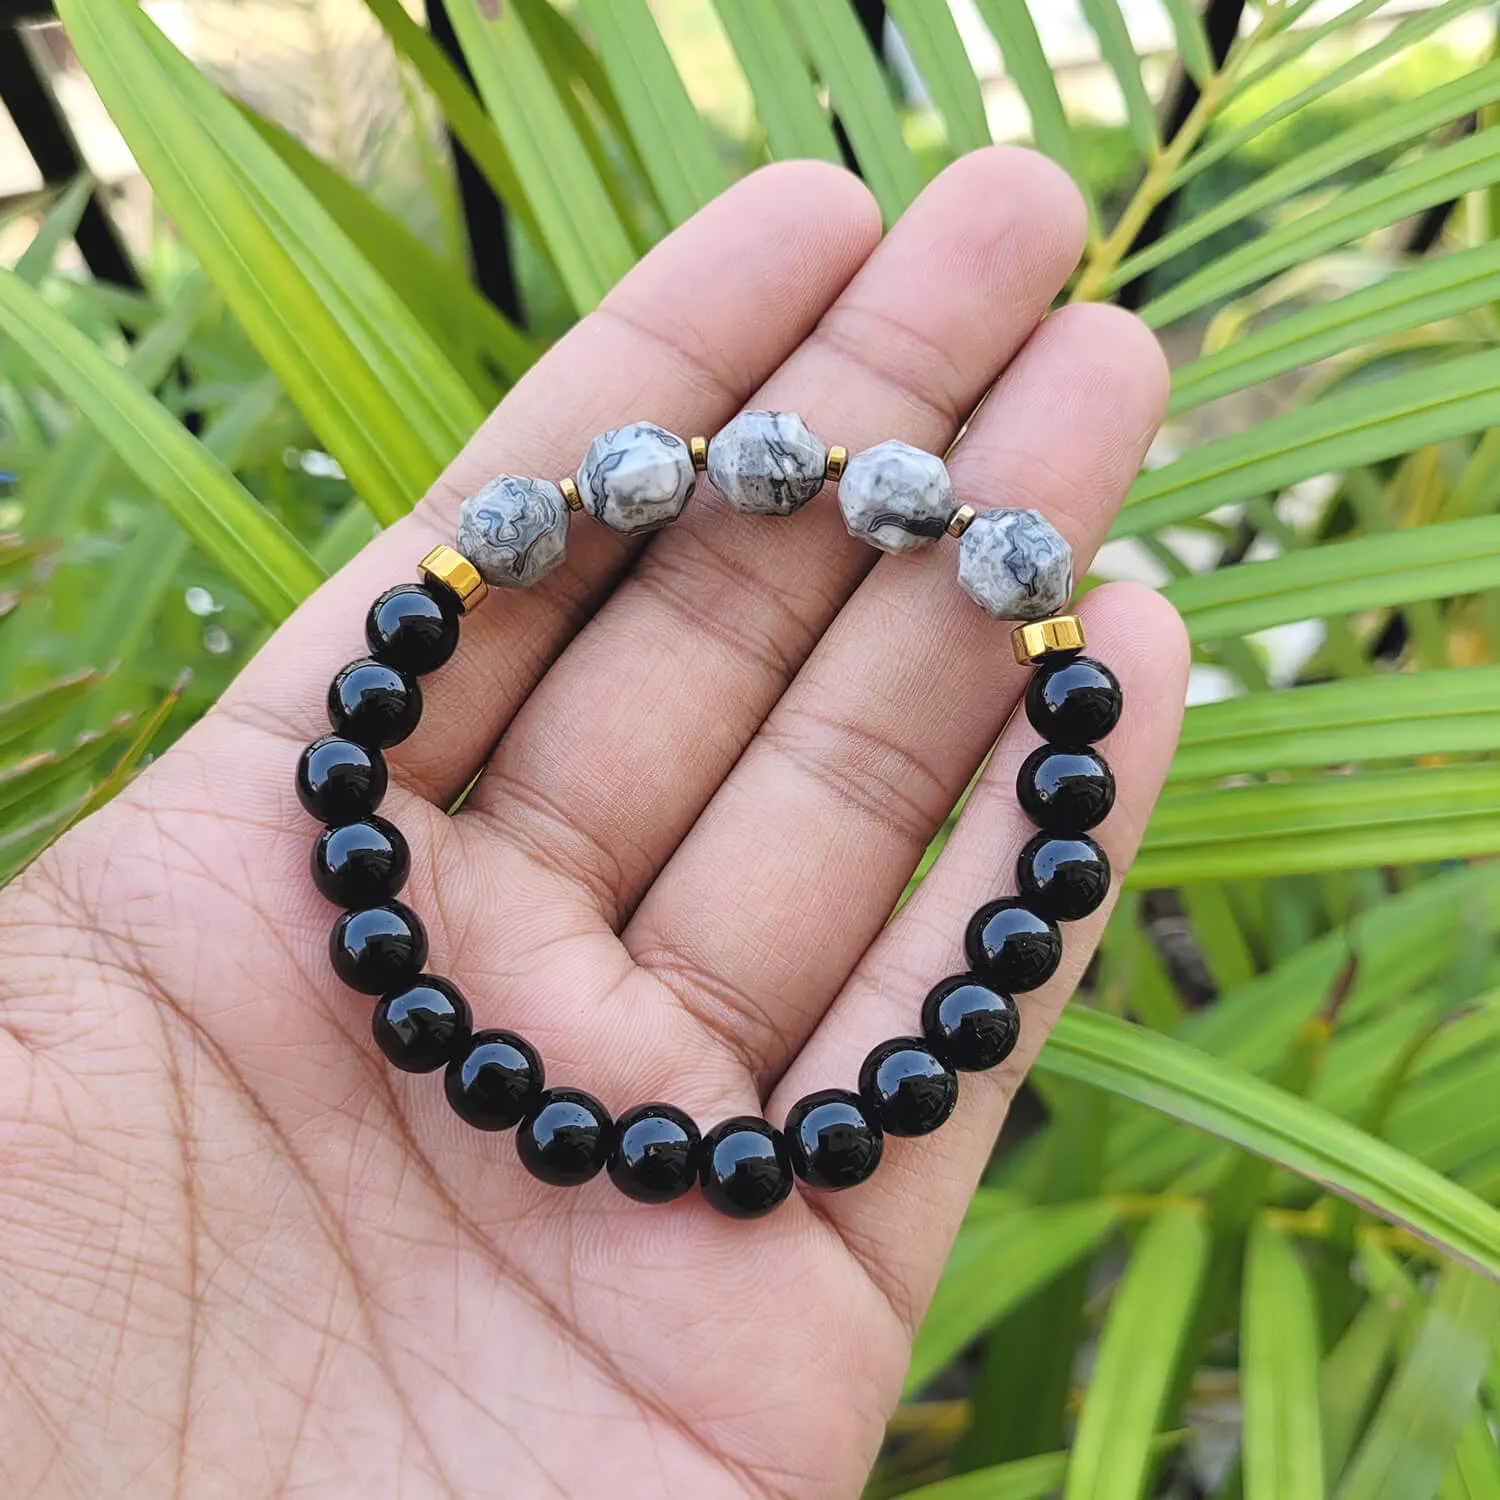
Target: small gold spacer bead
[961,519]
[838,461]
[569,487]
[698,447]
[453,571]
[1038,639]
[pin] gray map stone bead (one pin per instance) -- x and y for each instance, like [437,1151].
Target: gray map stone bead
[637,477]
[514,530]
[767,463]
[1015,565]
[896,497]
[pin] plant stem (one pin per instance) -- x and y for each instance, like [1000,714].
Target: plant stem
[1105,255]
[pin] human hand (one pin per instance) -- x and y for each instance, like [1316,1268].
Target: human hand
[241,1255]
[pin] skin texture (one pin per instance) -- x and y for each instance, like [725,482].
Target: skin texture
[241,1256]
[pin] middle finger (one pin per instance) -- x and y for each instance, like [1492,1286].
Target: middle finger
[624,741]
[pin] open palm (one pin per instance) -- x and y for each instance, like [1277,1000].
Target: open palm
[240,1255]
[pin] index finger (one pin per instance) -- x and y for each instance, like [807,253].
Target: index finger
[682,340]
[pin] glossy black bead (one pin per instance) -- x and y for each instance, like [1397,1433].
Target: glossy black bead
[1074,701]
[907,1088]
[373,704]
[1065,789]
[1012,946]
[423,1026]
[361,864]
[970,1025]
[566,1138]
[832,1140]
[412,628]
[1065,877]
[495,1081]
[339,781]
[655,1158]
[744,1168]
[378,949]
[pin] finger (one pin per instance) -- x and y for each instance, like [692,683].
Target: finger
[902,1221]
[792,870]
[627,738]
[684,337]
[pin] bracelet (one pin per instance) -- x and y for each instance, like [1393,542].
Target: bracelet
[637,478]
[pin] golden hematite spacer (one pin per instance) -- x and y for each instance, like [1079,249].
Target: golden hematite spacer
[454,571]
[698,447]
[961,519]
[838,461]
[1036,640]
[569,487]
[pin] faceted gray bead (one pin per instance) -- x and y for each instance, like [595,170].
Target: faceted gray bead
[1015,565]
[767,463]
[896,497]
[637,477]
[514,530]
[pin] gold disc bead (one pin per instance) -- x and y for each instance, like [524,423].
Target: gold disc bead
[961,519]
[1036,640]
[698,448]
[838,460]
[450,569]
[569,487]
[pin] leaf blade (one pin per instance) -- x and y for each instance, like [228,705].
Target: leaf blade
[1201,1090]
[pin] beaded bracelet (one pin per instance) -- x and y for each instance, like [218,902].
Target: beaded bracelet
[635,479]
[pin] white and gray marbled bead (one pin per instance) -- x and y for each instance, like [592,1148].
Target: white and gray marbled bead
[514,530]
[767,463]
[637,477]
[1014,565]
[896,497]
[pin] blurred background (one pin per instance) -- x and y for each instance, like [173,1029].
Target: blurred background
[266,264]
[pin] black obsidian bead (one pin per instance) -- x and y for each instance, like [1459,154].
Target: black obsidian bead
[339,781]
[1065,789]
[970,1025]
[744,1168]
[1012,946]
[361,864]
[655,1158]
[412,628]
[373,704]
[907,1088]
[566,1138]
[832,1140]
[378,949]
[495,1082]
[1065,877]
[423,1026]
[1074,701]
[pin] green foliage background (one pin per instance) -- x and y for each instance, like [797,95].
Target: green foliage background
[1241,1238]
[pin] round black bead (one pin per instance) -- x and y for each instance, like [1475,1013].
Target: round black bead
[495,1081]
[1064,877]
[378,949]
[1012,946]
[656,1153]
[566,1138]
[412,628]
[423,1026]
[744,1168]
[831,1139]
[361,864]
[968,1024]
[1073,702]
[1065,790]
[373,704]
[907,1088]
[339,781]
